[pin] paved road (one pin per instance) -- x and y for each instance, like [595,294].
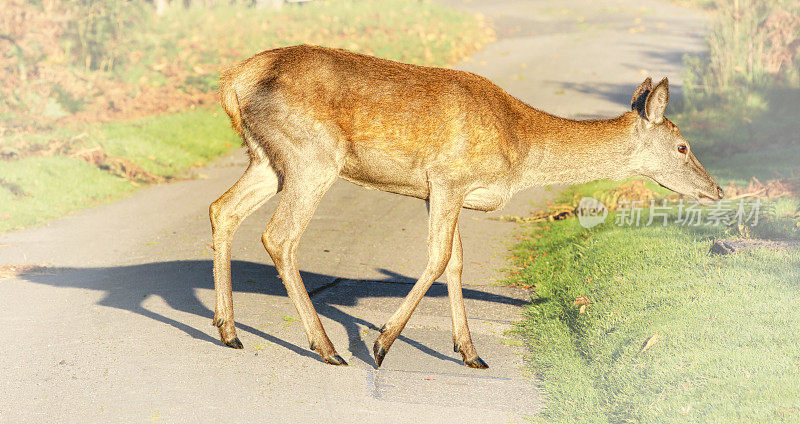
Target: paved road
[116,328]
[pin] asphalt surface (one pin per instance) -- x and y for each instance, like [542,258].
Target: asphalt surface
[115,326]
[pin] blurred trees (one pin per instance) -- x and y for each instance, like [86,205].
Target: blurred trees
[161,6]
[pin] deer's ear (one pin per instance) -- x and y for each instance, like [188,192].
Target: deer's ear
[657,102]
[640,95]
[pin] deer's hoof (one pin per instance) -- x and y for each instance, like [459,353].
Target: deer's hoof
[335,360]
[379,352]
[476,362]
[235,343]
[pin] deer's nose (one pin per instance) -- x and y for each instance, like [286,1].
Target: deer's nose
[720,193]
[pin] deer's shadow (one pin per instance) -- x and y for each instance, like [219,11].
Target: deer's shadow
[126,287]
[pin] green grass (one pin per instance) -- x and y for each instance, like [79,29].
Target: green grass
[167,145]
[49,187]
[35,189]
[726,326]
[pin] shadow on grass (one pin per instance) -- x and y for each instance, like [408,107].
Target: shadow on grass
[126,287]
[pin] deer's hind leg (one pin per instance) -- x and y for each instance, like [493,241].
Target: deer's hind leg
[462,341]
[258,184]
[303,188]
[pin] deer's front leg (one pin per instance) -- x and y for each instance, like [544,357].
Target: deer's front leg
[462,341]
[442,218]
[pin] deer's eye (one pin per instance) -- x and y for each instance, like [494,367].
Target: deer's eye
[682,149]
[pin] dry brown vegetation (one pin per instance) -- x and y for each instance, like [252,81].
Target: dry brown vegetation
[772,189]
[79,61]
[60,65]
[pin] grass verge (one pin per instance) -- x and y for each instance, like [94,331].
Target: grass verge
[721,330]
[34,189]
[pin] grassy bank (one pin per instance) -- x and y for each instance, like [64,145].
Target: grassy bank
[37,188]
[643,324]
[721,329]
[150,117]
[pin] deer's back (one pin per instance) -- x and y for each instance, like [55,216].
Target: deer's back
[393,124]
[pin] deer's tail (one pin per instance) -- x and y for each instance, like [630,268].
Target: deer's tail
[231,85]
[229,99]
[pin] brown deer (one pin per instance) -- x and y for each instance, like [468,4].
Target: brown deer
[310,114]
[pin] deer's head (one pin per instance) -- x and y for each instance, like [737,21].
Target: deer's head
[661,153]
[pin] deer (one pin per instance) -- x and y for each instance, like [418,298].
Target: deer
[309,115]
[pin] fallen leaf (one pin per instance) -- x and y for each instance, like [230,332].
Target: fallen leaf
[650,342]
[582,301]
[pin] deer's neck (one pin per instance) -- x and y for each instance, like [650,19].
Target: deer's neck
[564,151]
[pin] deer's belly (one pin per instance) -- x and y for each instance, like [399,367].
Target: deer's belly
[399,172]
[487,199]
[382,170]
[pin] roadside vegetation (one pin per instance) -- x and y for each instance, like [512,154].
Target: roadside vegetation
[642,323]
[97,98]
